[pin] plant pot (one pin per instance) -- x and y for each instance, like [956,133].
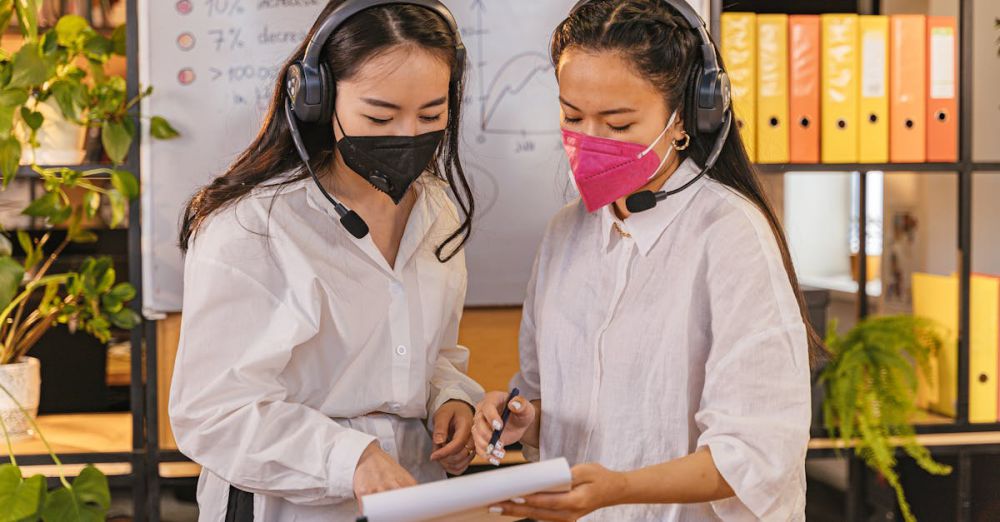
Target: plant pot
[60,142]
[24,381]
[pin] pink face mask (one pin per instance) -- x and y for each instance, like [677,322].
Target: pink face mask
[605,169]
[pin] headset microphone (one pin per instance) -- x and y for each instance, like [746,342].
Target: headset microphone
[348,218]
[647,199]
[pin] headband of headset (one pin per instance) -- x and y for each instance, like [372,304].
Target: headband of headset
[308,84]
[713,96]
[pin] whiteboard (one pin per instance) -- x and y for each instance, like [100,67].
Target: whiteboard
[213,64]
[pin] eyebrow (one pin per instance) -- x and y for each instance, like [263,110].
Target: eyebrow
[608,112]
[389,105]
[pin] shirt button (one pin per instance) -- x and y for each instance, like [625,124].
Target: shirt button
[400,350]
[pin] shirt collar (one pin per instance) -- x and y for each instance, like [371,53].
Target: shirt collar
[647,227]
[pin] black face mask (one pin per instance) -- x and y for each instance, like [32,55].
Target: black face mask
[390,163]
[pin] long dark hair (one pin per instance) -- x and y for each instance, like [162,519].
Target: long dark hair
[663,48]
[271,156]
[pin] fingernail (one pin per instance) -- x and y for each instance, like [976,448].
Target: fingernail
[494,461]
[489,449]
[515,405]
[499,446]
[499,453]
[496,510]
[439,439]
[497,425]
[518,500]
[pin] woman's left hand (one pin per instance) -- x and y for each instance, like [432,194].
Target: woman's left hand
[453,437]
[594,487]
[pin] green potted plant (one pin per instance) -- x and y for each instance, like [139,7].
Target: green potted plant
[871,387]
[64,69]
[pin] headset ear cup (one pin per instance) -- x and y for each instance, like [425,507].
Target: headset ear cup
[329,92]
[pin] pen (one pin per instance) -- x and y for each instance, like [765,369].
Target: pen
[503,418]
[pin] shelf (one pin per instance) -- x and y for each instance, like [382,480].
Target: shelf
[986,167]
[27,172]
[777,168]
[78,433]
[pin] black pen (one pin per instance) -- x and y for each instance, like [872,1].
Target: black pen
[503,418]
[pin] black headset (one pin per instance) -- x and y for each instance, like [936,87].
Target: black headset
[713,102]
[312,89]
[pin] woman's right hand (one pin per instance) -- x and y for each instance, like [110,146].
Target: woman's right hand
[377,471]
[487,418]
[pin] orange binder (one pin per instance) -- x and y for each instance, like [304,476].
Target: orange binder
[942,89]
[907,89]
[803,73]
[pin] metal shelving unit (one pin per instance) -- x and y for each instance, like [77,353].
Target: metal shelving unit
[964,170]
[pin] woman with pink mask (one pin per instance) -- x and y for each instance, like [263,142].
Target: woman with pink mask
[665,350]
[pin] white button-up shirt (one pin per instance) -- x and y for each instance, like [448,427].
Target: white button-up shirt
[300,345]
[685,335]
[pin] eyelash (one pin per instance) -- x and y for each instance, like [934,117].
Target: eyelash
[425,119]
[572,121]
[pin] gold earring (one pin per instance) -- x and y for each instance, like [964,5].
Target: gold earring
[687,141]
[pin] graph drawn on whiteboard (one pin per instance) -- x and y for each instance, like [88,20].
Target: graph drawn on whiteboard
[512,79]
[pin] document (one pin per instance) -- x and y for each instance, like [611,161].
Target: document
[468,497]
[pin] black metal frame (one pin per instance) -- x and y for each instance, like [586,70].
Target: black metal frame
[965,169]
[146,455]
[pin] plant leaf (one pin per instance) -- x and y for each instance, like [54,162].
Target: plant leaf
[10,158]
[118,203]
[161,129]
[123,292]
[32,118]
[124,182]
[126,319]
[13,96]
[92,203]
[11,275]
[119,40]
[20,499]
[117,138]
[69,28]
[29,67]
[27,17]
[6,12]
[43,206]
[65,95]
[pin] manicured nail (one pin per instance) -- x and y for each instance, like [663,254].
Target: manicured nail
[499,446]
[518,500]
[499,453]
[497,425]
[494,461]
[515,405]
[496,510]
[489,449]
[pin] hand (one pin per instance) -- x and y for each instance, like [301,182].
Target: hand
[377,471]
[594,487]
[452,437]
[522,415]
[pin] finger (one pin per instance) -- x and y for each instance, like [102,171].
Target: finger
[519,408]
[442,420]
[455,445]
[511,509]
[491,416]
[551,501]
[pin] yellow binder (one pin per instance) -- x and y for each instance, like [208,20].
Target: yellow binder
[772,88]
[839,130]
[873,121]
[739,53]
[984,340]
[936,297]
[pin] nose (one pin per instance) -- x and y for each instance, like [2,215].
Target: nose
[592,127]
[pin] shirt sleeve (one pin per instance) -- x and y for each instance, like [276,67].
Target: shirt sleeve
[449,380]
[755,407]
[228,406]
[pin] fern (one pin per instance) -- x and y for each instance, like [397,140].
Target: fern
[871,385]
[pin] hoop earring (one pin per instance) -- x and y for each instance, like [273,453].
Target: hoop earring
[687,141]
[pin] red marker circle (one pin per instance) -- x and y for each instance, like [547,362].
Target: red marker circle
[184,7]
[185,41]
[186,76]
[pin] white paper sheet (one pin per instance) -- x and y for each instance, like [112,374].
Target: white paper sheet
[468,497]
